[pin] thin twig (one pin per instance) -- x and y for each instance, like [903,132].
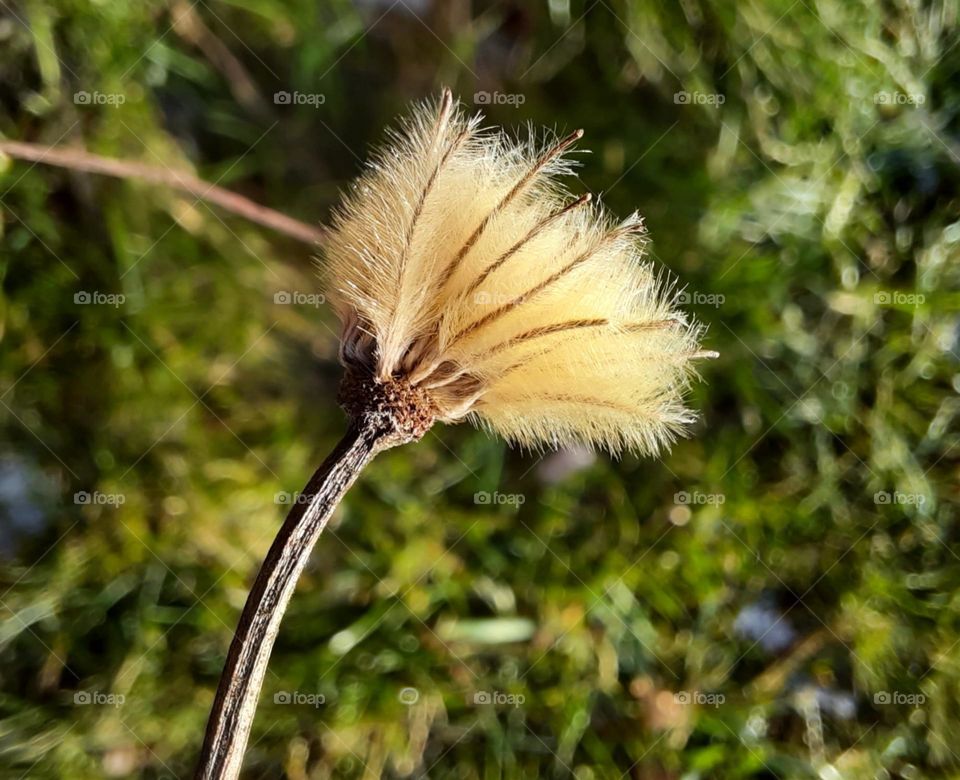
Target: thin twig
[239,691]
[81,160]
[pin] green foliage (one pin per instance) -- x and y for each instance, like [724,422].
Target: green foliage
[791,613]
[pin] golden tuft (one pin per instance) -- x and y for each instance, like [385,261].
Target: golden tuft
[458,264]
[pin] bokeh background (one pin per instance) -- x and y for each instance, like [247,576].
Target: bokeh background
[777,598]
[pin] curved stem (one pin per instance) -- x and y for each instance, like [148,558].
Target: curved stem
[236,702]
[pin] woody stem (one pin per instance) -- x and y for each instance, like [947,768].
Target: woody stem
[228,728]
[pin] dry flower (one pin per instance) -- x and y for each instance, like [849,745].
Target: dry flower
[470,286]
[460,267]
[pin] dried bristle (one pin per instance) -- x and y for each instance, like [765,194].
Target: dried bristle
[458,262]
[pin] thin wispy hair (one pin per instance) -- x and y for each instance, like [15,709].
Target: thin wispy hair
[460,263]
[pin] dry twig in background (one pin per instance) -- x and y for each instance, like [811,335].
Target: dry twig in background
[80,160]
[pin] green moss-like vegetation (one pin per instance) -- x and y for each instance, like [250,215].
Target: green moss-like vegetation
[777,598]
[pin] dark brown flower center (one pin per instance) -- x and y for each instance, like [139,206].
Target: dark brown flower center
[404,411]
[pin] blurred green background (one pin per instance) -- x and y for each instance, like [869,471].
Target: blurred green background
[777,598]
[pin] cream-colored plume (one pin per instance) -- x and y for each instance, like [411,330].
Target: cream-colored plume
[459,263]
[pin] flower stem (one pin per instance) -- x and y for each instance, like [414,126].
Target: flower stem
[236,702]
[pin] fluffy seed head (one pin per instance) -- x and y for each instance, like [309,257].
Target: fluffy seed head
[460,266]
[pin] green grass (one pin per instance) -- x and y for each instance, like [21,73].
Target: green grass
[813,218]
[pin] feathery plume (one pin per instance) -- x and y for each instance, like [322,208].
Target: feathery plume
[461,268]
[470,285]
